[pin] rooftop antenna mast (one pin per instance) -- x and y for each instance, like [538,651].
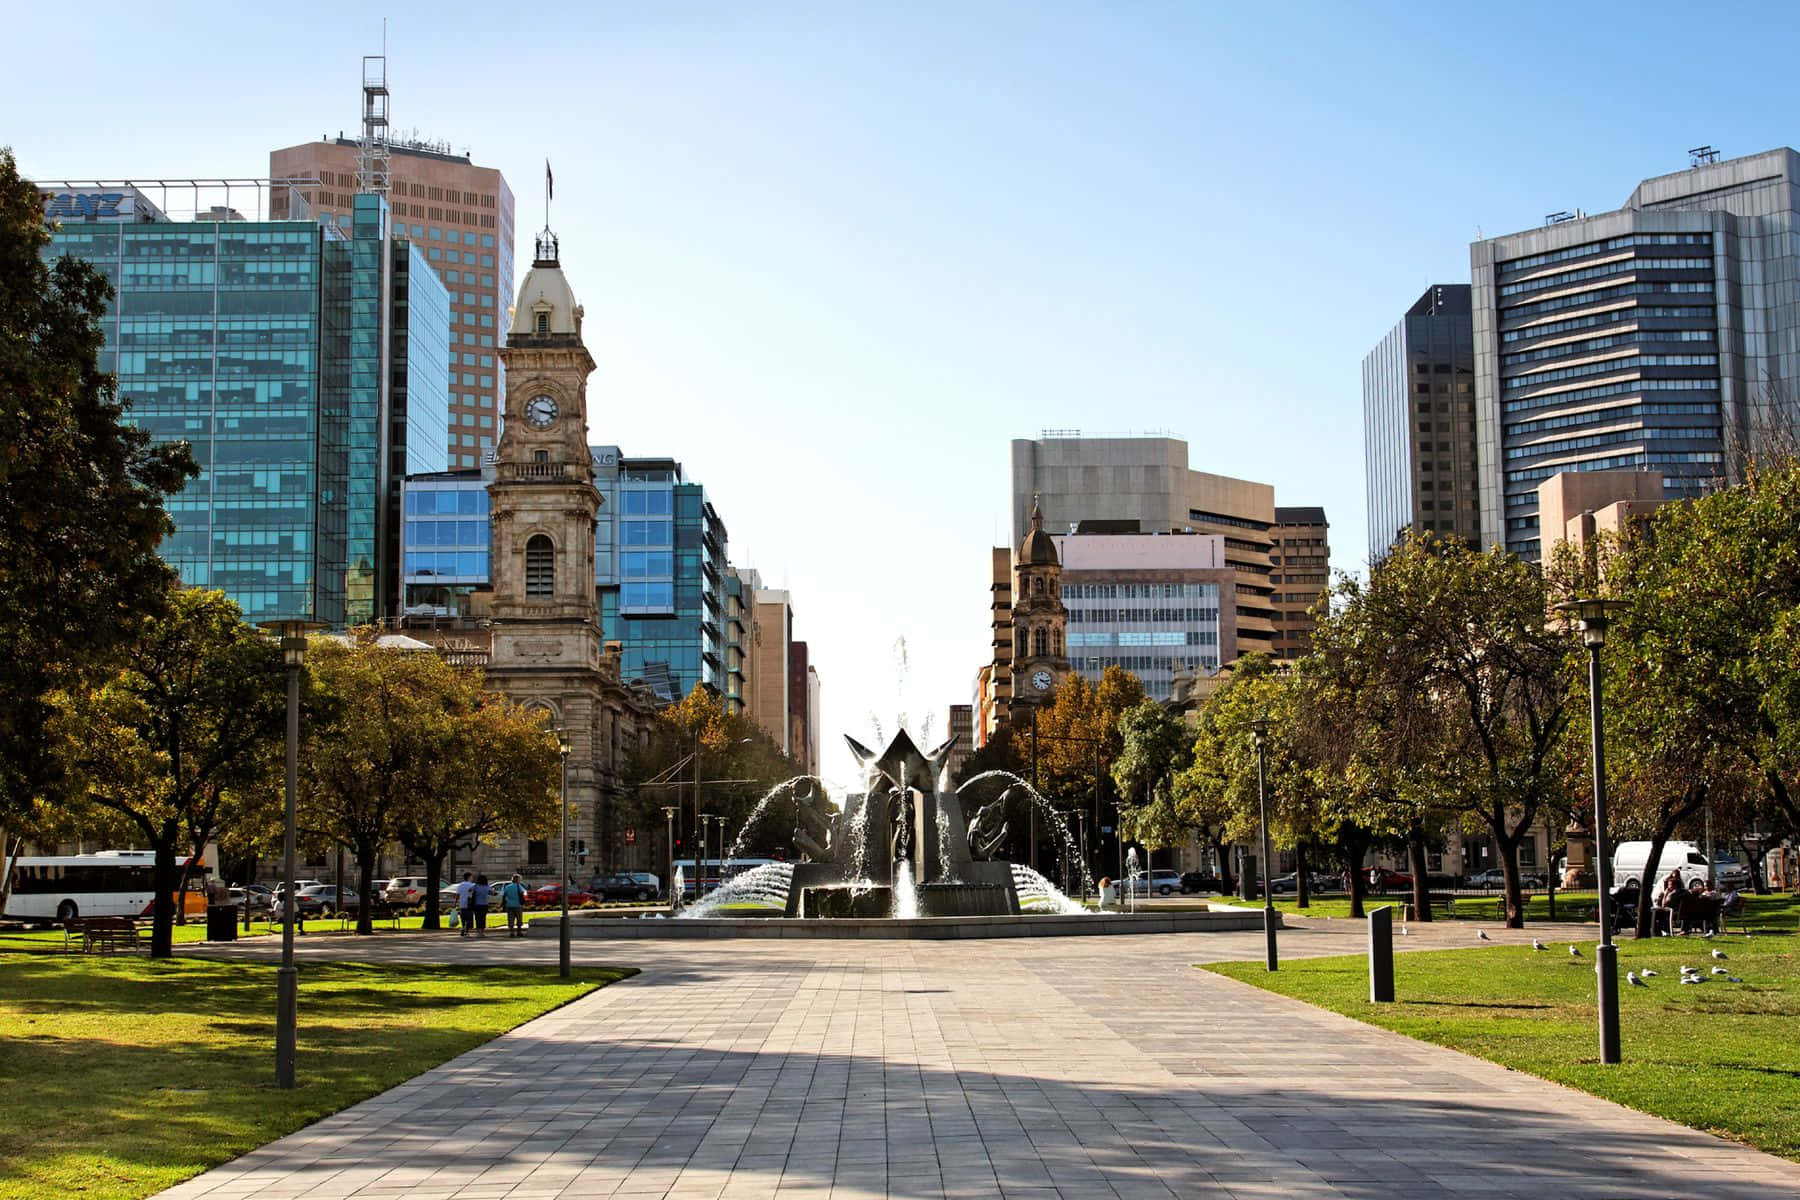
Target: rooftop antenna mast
[373,170]
[546,241]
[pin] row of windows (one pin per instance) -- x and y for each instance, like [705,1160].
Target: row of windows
[1191,637]
[469,565]
[436,234]
[1618,243]
[1616,317]
[1116,616]
[1616,437]
[1564,278]
[1138,591]
[1588,345]
[641,503]
[1139,663]
[1653,287]
[447,533]
[466,257]
[1551,399]
[646,564]
[653,596]
[1618,460]
[1602,416]
[1629,362]
[424,501]
[646,533]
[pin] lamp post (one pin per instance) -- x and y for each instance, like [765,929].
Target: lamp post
[562,925]
[1259,729]
[1591,618]
[669,816]
[719,846]
[704,821]
[287,978]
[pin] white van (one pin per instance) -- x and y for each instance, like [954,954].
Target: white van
[1629,864]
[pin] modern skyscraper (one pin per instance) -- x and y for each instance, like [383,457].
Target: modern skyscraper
[1419,424]
[1300,572]
[770,698]
[304,363]
[1665,335]
[1144,484]
[461,217]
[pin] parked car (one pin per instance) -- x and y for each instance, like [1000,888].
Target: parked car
[1201,881]
[1383,880]
[1162,882]
[550,895]
[1284,883]
[322,899]
[1493,877]
[405,889]
[257,899]
[617,887]
[1730,873]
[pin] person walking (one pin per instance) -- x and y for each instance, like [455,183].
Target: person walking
[465,909]
[479,896]
[512,899]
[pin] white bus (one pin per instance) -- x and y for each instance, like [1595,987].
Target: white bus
[111,883]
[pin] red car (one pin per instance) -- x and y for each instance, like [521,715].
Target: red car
[1381,879]
[550,896]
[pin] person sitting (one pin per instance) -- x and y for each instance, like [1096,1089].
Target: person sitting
[1625,903]
[1662,918]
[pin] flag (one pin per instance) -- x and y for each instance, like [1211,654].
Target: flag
[549,181]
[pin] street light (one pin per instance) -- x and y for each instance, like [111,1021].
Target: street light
[704,821]
[1259,729]
[292,633]
[1591,619]
[669,816]
[562,928]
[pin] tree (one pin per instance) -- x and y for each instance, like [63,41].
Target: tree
[1154,745]
[496,770]
[82,509]
[193,714]
[1472,628]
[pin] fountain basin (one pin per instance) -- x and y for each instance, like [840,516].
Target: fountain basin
[1216,920]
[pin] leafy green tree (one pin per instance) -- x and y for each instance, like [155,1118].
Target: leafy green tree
[1155,744]
[193,713]
[496,771]
[81,494]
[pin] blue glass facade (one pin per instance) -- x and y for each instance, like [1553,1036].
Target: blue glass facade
[660,565]
[242,338]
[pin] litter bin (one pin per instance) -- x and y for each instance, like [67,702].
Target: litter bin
[221,922]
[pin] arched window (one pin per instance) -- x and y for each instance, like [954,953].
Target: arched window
[1040,643]
[1037,587]
[543,322]
[540,567]
[1056,641]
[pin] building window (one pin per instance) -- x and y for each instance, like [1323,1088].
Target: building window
[543,322]
[537,853]
[1040,643]
[540,567]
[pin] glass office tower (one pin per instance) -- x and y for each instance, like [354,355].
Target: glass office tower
[261,344]
[1664,336]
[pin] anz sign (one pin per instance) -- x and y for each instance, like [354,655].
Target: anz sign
[126,205]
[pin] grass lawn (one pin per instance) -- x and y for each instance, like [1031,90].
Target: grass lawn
[120,1076]
[1719,1056]
[1765,912]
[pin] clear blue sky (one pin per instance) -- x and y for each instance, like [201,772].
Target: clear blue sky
[835,256]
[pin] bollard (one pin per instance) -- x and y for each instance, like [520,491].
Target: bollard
[1381,955]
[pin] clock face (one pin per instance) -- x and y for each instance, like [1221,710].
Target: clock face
[541,411]
[1041,681]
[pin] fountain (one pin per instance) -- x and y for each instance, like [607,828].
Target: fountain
[902,859]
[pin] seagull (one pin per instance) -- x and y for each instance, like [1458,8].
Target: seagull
[1693,979]
[1481,935]
[1732,979]
[1537,945]
[1721,970]
[1633,980]
[1403,931]
[1648,973]
[1574,953]
[1720,954]
[1687,970]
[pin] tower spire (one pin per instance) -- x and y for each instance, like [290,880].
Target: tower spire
[546,241]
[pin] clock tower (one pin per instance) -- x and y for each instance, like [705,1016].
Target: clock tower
[1040,621]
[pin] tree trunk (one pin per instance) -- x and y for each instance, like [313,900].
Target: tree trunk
[1507,844]
[1415,860]
[1228,883]
[1355,847]
[1302,893]
[434,882]
[1648,883]
[162,911]
[366,854]
[1758,884]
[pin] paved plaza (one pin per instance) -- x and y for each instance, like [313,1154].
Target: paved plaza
[1030,1067]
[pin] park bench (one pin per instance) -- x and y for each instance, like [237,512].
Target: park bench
[105,934]
[1439,902]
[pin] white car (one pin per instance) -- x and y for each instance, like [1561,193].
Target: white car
[1160,881]
[405,889]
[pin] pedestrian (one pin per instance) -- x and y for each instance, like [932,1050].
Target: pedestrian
[512,899]
[479,896]
[465,911]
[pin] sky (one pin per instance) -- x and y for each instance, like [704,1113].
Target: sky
[835,256]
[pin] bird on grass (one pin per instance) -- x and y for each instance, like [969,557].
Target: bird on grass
[1574,952]
[1721,970]
[1648,973]
[1403,931]
[1693,979]
[1720,954]
[1732,979]
[1481,935]
[1632,978]
[1537,945]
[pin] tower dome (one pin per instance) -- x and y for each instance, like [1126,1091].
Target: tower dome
[1039,550]
[546,305]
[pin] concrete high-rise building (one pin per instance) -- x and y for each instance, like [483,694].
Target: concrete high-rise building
[461,217]
[1144,484]
[995,686]
[1664,335]
[770,681]
[305,365]
[802,732]
[1155,604]
[1300,572]
[1419,424]
[961,726]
